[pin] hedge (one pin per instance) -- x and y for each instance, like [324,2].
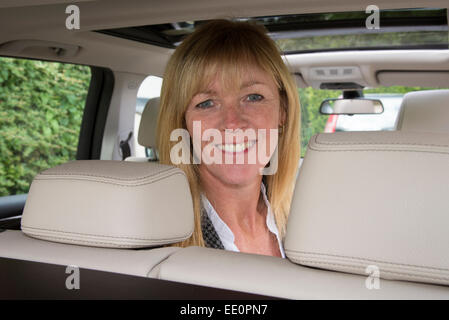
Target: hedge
[41,108]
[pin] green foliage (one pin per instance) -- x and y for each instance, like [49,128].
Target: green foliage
[312,121]
[364,40]
[41,107]
[359,36]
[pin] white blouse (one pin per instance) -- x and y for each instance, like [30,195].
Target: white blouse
[225,233]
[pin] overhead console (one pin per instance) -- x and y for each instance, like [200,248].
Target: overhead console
[336,77]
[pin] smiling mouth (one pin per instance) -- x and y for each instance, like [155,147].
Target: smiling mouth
[236,147]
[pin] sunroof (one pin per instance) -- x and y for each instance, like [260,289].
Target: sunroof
[425,28]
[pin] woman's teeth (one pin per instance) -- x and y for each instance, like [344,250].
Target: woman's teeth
[238,147]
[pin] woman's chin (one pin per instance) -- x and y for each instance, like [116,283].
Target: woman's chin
[237,174]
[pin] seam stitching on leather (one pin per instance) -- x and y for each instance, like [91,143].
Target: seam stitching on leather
[380,143]
[314,262]
[108,177]
[381,150]
[361,263]
[324,255]
[102,243]
[108,182]
[100,236]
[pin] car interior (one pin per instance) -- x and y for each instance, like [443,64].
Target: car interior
[364,200]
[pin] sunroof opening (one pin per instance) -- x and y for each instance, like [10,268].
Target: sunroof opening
[425,28]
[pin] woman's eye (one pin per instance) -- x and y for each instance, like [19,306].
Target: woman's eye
[205,104]
[254,97]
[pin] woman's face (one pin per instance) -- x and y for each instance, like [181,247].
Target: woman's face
[237,113]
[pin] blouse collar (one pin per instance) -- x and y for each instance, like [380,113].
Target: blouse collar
[225,233]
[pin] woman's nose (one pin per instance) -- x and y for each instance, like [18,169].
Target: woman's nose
[233,117]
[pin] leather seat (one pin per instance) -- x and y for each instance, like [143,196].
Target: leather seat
[89,213]
[424,111]
[282,278]
[17,245]
[373,199]
[362,200]
[388,210]
[147,131]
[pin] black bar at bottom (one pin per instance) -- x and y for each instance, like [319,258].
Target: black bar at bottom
[20,279]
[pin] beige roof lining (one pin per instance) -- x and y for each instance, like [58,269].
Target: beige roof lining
[28,21]
[371,62]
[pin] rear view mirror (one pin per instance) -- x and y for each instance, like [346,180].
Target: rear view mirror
[351,106]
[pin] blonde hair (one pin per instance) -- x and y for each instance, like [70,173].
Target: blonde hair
[228,46]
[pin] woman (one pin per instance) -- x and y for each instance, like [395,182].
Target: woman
[229,77]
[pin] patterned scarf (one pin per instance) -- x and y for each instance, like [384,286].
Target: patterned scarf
[210,236]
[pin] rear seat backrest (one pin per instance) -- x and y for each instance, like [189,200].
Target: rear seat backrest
[373,198]
[424,111]
[147,130]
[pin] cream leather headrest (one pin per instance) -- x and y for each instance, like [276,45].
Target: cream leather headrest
[148,123]
[109,204]
[373,199]
[424,111]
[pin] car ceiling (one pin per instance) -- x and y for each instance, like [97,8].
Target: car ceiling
[44,20]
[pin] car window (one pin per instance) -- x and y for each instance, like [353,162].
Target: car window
[313,122]
[41,108]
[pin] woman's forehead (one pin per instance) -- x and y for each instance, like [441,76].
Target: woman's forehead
[234,78]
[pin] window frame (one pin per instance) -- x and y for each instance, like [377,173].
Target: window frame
[90,137]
